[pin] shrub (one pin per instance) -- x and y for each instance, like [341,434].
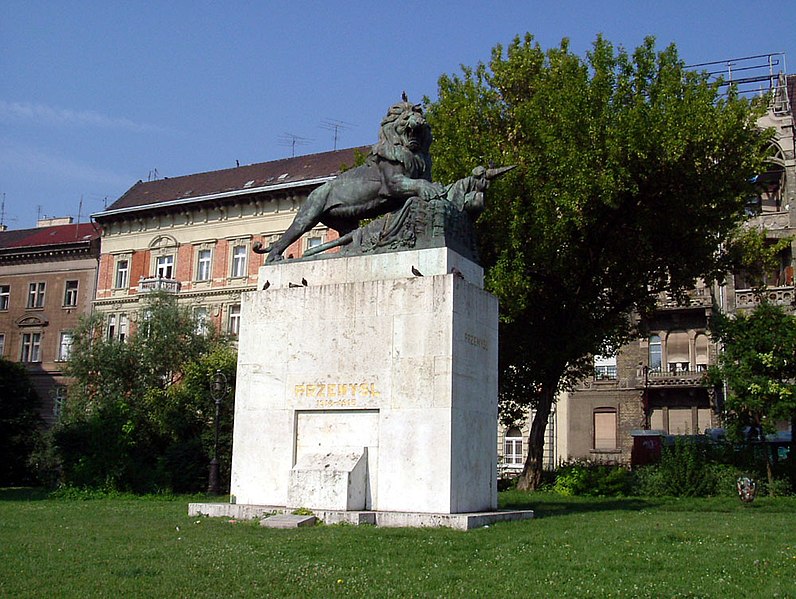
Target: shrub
[688,469]
[594,480]
[19,423]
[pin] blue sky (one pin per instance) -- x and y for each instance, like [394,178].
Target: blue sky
[97,95]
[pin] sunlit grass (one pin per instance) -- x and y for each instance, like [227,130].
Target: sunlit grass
[575,548]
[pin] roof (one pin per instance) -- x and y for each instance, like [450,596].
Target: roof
[276,174]
[57,235]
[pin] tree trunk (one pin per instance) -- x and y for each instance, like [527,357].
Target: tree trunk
[531,476]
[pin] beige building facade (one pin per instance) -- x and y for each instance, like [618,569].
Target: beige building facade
[47,282]
[194,236]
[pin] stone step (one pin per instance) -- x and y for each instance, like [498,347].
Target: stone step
[287,521]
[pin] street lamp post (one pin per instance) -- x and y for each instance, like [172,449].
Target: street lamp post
[218,390]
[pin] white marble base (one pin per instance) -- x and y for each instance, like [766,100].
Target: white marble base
[465,521]
[393,356]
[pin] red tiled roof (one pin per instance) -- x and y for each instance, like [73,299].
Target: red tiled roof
[252,176]
[49,236]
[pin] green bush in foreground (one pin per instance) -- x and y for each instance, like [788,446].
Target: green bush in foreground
[593,480]
[688,468]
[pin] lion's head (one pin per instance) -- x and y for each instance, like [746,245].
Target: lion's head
[405,137]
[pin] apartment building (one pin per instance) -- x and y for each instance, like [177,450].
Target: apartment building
[47,281]
[193,236]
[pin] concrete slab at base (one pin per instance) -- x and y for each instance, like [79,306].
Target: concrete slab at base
[287,521]
[465,521]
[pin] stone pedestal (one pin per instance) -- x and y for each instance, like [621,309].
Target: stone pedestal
[369,383]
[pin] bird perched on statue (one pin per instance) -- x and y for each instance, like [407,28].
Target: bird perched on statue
[416,272]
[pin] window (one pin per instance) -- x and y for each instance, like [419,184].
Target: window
[239,261]
[701,349]
[5,296]
[203,264]
[65,346]
[512,447]
[655,356]
[122,327]
[313,242]
[202,320]
[59,399]
[164,267]
[36,295]
[234,319]
[2,344]
[70,293]
[31,347]
[122,274]
[656,420]
[117,326]
[604,368]
[677,352]
[681,421]
[605,428]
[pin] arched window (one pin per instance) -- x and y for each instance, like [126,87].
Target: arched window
[512,447]
[677,352]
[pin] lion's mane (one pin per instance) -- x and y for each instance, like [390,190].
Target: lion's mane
[392,144]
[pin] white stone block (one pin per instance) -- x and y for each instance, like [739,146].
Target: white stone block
[331,481]
[369,355]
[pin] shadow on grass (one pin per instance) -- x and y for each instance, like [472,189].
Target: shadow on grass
[69,493]
[546,504]
[23,494]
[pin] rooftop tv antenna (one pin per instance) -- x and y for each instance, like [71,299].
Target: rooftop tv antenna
[292,140]
[154,175]
[336,126]
[3,217]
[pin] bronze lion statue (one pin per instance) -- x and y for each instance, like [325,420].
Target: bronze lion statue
[397,168]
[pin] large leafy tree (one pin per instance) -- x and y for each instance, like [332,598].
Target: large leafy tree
[630,172]
[758,365]
[139,411]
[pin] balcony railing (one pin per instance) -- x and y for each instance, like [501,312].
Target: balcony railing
[698,297]
[748,298]
[677,378]
[771,221]
[145,285]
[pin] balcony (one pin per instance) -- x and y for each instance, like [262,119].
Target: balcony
[772,221]
[677,377]
[146,285]
[749,298]
[698,297]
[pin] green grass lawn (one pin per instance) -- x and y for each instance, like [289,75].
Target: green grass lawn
[575,548]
